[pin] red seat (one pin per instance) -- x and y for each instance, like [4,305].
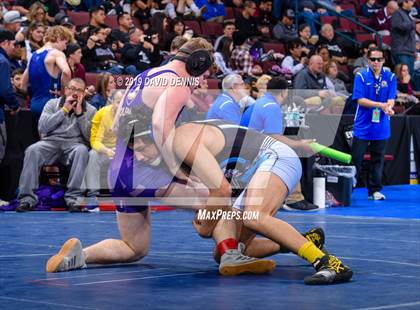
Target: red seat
[328,20]
[194,25]
[387,157]
[91,78]
[213,83]
[212,29]
[230,14]
[276,47]
[348,25]
[348,6]
[79,18]
[386,40]
[362,37]
[111,21]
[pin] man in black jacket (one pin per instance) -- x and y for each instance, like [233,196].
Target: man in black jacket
[138,54]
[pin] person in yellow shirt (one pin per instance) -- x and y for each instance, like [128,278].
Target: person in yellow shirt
[102,141]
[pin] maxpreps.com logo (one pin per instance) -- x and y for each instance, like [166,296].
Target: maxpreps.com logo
[206,215]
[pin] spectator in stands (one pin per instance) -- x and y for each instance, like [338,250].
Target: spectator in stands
[74,55]
[96,20]
[98,55]
[322,50]
[153,37]
[176,44]
[21,96]
[382,20]
[64,126]
[264,30]
[61,19]
[48,69]
[403,32]
[246,22]
[370,8]
[331,9]
[285,30]
[18,56]
[294,61]
[363,61]
[265,12]
[266,116]
[102,141]
[230,103]
[375,91]
[223,55]
[310,14]
[228,29]
[202,97]
[51,6]
[335,85]
[329,39]
[215,10]
[12,21]
[261,84]
[159,24]
[7,97]
[34,39]
[241,59]
[120,35]
[311,83]
[105,86]
[405,89]
[139,54]
[305,37]
[166,7]
[141,9]
[37,13]
[176,28]
[188,8]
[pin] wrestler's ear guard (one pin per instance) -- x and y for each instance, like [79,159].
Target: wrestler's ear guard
[197,62]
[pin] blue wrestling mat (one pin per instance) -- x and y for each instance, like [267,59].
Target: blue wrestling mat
[380,241]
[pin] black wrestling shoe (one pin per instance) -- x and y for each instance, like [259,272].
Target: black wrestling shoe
[73,208]
[329,270]
[316,235]
[24,207]
[302,205]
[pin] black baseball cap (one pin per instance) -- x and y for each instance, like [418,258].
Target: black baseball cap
[6,35]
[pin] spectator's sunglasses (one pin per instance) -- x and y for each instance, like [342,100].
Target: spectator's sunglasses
[376,59]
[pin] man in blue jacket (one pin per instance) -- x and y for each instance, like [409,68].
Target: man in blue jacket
[7,41]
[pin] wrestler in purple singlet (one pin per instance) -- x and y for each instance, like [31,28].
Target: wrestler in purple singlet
[127,176]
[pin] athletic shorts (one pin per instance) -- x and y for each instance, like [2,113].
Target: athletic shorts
[279,159]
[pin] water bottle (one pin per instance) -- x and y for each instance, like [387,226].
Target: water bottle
[288,117]
[295,116]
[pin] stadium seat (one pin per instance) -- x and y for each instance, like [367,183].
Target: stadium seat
[212,29]
[79,18]
[276,47]
[213,83]
[229,13]
[194,25]
[348,25]
[111,21]
[362,37]
[329,20]
[91,78]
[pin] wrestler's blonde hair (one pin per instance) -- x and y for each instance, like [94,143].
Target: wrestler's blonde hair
[56,33]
